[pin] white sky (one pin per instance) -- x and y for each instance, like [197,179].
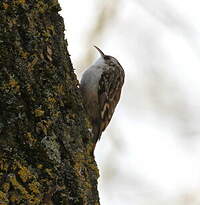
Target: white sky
[141,157]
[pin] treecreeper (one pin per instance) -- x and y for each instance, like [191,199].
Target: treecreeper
[101,86]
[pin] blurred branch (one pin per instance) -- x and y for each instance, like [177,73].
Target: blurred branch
[169,16]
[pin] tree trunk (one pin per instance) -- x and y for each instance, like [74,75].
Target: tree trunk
[45,142]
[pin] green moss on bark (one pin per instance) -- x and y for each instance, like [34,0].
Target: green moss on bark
[44,139]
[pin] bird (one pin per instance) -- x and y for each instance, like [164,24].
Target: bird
[101,86]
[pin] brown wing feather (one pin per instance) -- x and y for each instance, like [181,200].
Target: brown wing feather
[109,94]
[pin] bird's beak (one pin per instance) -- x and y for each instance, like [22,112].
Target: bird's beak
[100,51]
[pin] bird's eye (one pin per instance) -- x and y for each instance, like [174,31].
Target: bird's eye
[106,57]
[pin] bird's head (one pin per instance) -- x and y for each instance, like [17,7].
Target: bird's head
[109,60]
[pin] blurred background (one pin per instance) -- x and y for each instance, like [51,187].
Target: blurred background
[150,152]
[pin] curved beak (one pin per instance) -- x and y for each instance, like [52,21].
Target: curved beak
[100,51]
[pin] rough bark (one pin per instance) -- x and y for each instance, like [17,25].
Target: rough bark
[45,142]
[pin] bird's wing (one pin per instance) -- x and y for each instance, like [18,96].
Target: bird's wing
[109,91]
